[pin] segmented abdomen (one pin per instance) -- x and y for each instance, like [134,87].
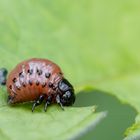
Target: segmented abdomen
[32,78]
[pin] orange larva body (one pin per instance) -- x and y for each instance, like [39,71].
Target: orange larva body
[32,78]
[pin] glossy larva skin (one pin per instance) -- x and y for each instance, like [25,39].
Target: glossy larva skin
[31,78]
[38,80]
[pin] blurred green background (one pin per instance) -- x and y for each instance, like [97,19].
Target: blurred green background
[95,42]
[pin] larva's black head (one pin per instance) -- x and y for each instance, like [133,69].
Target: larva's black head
[68,97]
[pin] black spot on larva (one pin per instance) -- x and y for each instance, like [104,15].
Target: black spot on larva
[30,71]
[50,84]
[14,80]
[37,83]
[39,72]
[10,86]
[23,84]
[30,82]
[60,73]
[43,85]
[47,75]
[21,75]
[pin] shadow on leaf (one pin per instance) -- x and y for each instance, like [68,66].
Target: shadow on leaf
[120,116]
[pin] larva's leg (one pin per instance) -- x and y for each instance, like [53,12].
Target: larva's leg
[59,102]
[38,101]
[48,102]
[3,76]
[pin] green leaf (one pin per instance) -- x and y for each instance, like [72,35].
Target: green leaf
[20,123]
[95,42]
[24,34]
